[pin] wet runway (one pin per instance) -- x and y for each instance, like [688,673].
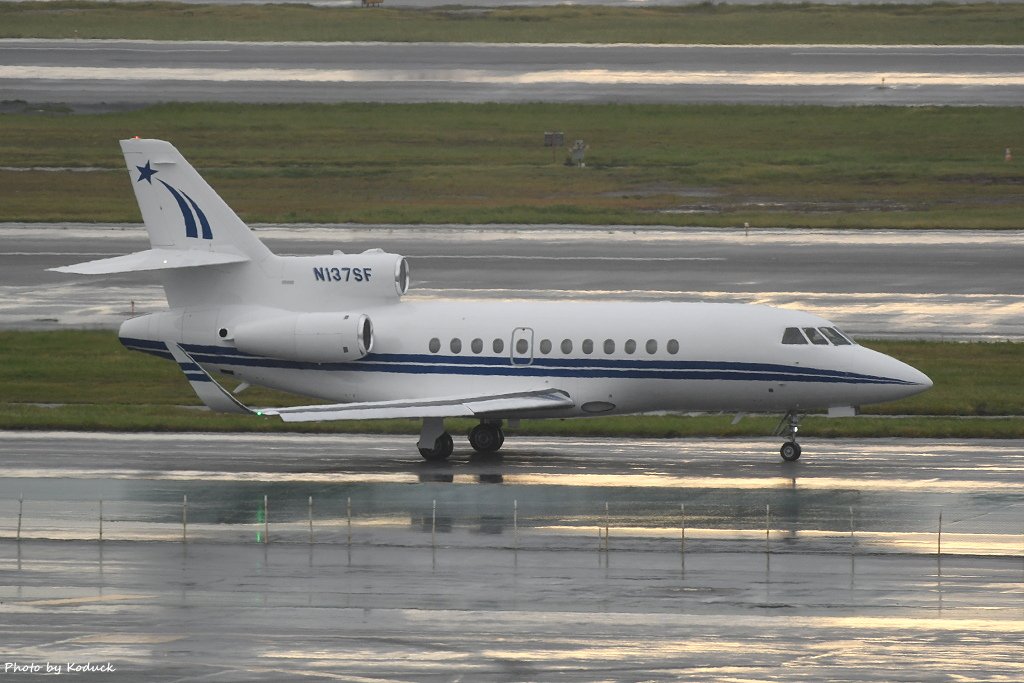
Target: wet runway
[934,284]
[134,73]
[491,570]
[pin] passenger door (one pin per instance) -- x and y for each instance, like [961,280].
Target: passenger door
[522,346]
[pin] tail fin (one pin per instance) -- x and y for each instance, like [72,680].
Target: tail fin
[181,211]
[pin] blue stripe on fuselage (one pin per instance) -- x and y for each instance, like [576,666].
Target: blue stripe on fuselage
[422,364]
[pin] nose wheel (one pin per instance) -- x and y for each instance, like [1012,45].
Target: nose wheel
[790,450]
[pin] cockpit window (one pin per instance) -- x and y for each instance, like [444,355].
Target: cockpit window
[793,335]
[835,336]
[815,336]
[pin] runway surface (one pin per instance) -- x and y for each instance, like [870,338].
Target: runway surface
[490,570]
[935,284]
[116,73]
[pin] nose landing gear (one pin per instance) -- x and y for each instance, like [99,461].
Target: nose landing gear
[790,450]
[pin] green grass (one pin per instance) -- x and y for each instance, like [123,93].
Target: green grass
[705,23]
[800,166]
[87,380]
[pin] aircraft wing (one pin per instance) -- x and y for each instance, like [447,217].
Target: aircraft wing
[218,398]
[152,259]
[450,406]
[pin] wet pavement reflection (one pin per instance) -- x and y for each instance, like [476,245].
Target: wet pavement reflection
[252,558]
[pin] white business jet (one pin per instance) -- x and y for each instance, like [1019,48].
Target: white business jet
[335,327]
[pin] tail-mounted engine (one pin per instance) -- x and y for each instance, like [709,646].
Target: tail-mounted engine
[311,337]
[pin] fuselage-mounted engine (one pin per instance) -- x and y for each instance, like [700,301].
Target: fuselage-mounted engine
[311,337]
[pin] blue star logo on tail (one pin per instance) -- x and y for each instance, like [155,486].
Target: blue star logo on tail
[195,219]
[145,173]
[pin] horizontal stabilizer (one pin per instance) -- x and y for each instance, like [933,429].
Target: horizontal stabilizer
[454,406]
[153,259]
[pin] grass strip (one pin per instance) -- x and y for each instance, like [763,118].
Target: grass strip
[799,166]
[974,24]
[87,380]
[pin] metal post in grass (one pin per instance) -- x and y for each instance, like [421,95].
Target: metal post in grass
[682,528]
[606,525]
[767,527]
[515,524]
[939,549]
[853,541]
[21,504]
[348,509]
[184,518]
[266,521]
[311,519]
[101,520]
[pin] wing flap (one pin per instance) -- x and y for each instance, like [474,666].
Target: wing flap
[218,398]
[452,406]
[152,259]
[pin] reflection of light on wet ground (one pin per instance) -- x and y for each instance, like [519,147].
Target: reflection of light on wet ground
[246,612]
[808,481]
[519,77]
[197,475]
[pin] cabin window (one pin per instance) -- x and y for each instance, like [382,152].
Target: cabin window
[793,335]
[672,346]
[477,345]
[522,346]
[588,346]
[835,336]
[567,346]
[630,346]
[456,345]
[498,345]
[545,346]
[609,346]
[652,346]
[435,345]
[815,336]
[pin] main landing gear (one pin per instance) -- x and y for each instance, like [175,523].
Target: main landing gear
[441,450]
[487,437]
[436,444]
[790,450]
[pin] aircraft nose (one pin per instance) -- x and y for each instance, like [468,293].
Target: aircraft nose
[914,380]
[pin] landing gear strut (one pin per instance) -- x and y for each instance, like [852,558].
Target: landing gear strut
[790,450]
[487,437]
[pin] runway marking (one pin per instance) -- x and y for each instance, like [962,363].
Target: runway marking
[508,257]
[108,48]
[952,47]
[545,77]
[57,253]
[54,602]
[888,55]
[128,638]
